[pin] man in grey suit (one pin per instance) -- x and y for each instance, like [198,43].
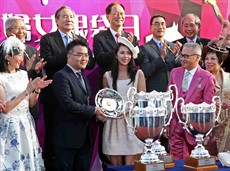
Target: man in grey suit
[159,58]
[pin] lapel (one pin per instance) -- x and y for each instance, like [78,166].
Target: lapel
[110,39]
[154,46]
[195,83]
[74,77]
[58,40]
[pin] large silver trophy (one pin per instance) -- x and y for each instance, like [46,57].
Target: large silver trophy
[199,120]
[150,113]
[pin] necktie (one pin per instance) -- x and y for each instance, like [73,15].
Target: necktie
[191,41]
[79,75]
[66,40]
[160,45]
[117,36]
[185,81]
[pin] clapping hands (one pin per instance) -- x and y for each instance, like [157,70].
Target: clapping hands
[37,83]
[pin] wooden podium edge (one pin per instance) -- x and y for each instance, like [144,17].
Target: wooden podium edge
[201,168]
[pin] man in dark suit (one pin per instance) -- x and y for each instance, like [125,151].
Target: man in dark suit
[159,58]
[104,44]
[190,29]
[32,63]
[71,128]
[52,48]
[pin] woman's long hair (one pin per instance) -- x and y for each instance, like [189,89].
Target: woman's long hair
[131,68]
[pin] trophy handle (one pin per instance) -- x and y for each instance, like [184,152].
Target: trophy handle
[172,97]
[176,91]
[130,94]
[213,100]
[180,121]
[129,104]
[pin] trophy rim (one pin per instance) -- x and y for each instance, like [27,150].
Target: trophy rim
[110,95]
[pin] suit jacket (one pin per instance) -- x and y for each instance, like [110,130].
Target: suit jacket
[53,51]
[29,52]
[104,46]
[74,112]
[201,89]
[201,41]
[157,70]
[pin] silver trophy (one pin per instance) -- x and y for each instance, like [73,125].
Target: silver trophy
[110,101]
[199,120]
[150,113]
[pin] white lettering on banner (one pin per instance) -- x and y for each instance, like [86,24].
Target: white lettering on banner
[98,23]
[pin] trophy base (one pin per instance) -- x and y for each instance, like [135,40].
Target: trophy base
[168,160]
[200,164]
[156,166]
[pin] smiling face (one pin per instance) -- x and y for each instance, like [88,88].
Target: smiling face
[158,28]
[78,58]
[116,17]
[190,27]
[15,61]
[65,20]
[211,62]
[124,55]
[18,29]
[192,60]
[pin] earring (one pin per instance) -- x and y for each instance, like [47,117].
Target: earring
[7,62]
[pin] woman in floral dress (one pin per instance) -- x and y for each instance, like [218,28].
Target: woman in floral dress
[19,147]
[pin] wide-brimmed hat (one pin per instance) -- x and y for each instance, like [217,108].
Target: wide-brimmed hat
[218,49]
[126,42]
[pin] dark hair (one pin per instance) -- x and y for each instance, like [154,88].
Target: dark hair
[77,42]
[156,16]
[58,12]
[131,67]
[220,56]
[109,7]
[3,61]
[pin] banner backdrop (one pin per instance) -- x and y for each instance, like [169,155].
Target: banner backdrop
[90,16]
[90,19]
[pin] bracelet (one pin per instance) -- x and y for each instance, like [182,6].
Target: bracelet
[37,92]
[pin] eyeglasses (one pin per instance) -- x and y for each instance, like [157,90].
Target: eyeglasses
[86,55]
[18,28]
[185,56]
[158,24]
[115,13]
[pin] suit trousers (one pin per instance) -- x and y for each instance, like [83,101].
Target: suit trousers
[179,146]
[70,159]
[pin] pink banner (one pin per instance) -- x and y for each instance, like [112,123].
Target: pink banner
[90,16]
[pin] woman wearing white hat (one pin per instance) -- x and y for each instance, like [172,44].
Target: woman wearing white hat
[118,139]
